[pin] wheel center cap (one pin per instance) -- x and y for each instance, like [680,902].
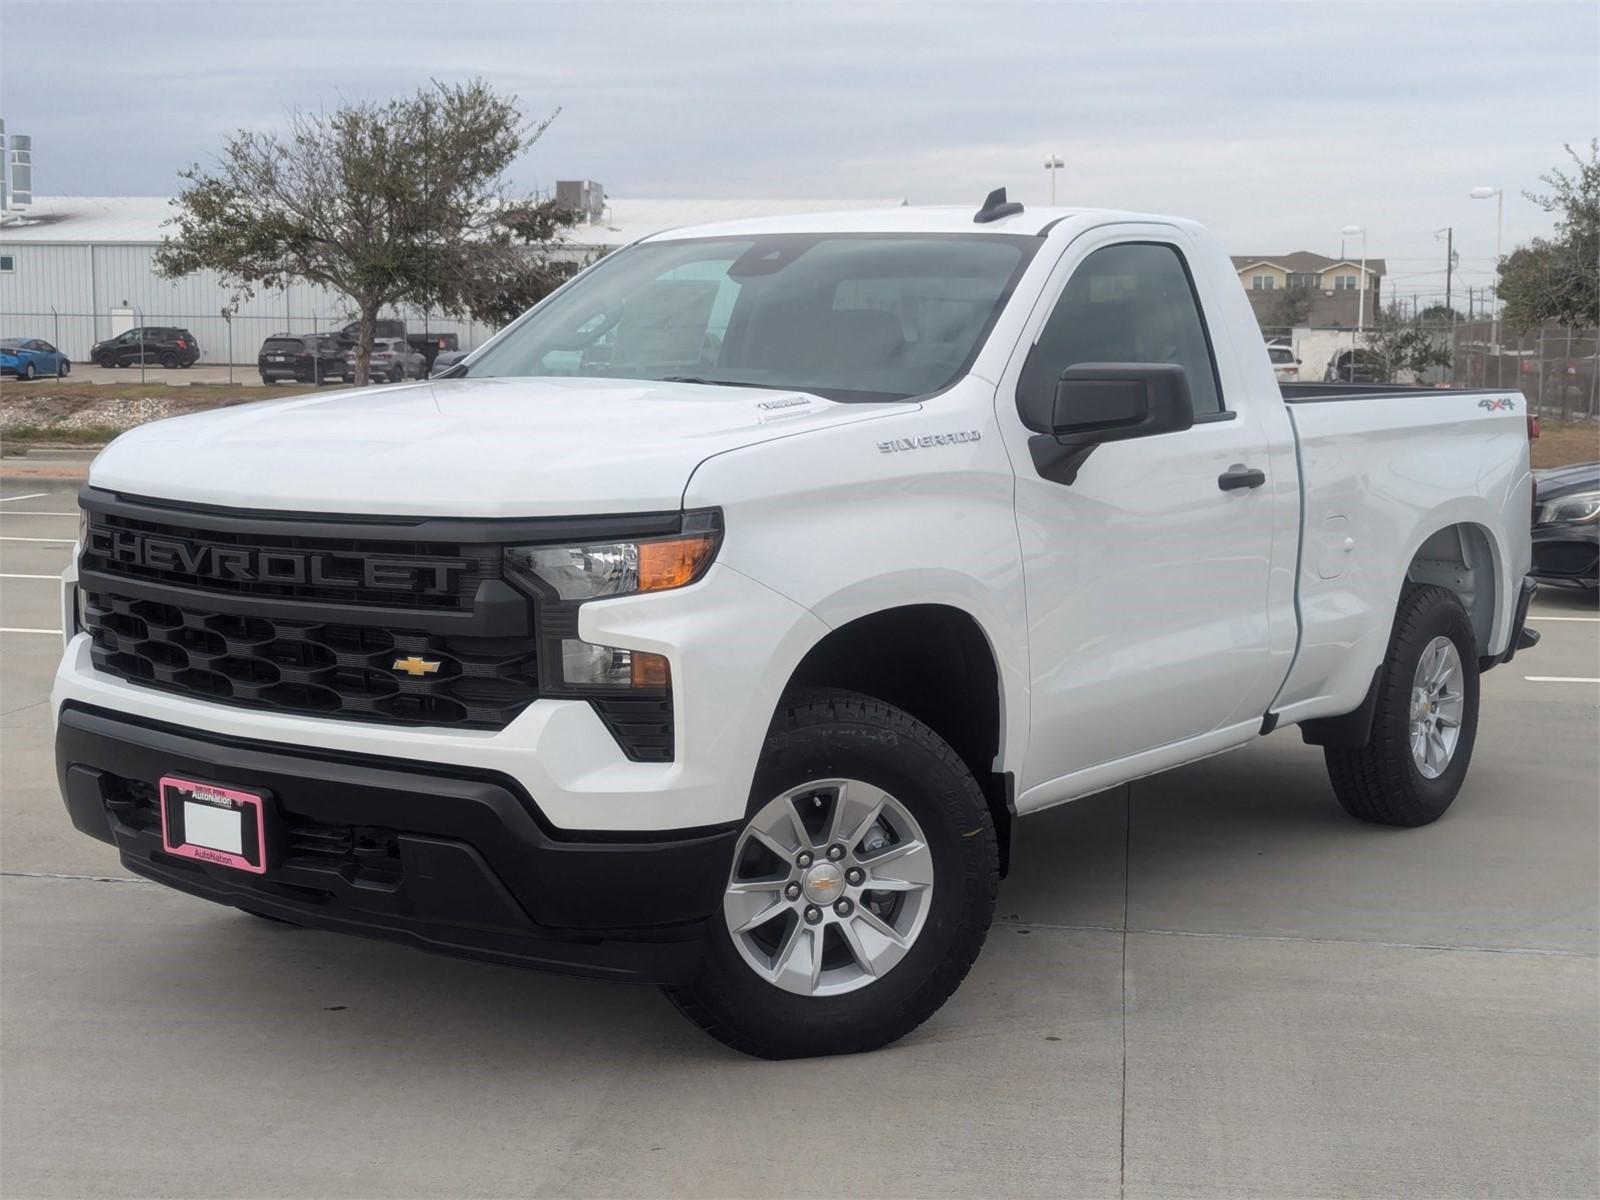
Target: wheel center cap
[823,883]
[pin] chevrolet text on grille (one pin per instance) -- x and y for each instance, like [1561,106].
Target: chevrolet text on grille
[241,564]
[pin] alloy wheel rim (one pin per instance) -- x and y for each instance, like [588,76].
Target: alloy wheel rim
[1437,701]
[830,887]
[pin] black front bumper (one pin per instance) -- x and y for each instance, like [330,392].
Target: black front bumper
[456,861]
[1567,554]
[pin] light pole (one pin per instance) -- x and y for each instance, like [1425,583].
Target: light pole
[1053,164]
[1361,294]
[1499,195]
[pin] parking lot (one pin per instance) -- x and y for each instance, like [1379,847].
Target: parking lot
[1211,982]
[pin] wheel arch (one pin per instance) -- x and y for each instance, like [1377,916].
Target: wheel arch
[937,663]
[1464,557]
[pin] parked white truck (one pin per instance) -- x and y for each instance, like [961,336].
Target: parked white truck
[714,624]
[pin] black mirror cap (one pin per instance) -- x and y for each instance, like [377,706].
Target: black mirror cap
[1109,402]
[1112,402]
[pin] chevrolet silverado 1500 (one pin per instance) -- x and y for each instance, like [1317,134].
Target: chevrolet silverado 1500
[717,623]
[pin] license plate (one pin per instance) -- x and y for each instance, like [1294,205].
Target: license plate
[214,824]
[274,358]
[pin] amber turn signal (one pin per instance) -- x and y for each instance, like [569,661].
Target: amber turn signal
[673,563]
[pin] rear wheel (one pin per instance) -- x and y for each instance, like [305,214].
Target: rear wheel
[1426,720]
[29,372]
[169,360]
[862,886]
[63,368]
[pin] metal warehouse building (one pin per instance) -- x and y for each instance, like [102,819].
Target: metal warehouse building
[77,270]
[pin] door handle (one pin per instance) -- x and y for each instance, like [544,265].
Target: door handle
[1240,476]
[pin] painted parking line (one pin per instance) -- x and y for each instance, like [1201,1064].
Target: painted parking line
[1539,617]
[52,578]
[66,541]
[33,512]
[1561,679]
[29,496]
[13,629]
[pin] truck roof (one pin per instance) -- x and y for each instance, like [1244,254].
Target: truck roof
[941,218]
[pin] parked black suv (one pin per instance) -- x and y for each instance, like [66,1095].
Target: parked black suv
[308,358]
[1356,366]
[160,345]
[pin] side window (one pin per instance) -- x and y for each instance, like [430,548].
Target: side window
[1132,303]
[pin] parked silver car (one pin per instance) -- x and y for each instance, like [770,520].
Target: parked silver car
[392,362]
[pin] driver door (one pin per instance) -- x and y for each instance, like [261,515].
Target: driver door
[1147,582]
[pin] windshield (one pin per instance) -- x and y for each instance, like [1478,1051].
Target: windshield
[847,317]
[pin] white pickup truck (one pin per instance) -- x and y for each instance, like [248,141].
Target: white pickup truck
[714,624]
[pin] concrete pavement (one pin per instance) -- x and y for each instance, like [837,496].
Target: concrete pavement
[1211,982]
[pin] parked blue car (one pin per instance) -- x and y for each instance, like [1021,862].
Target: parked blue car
[29,358]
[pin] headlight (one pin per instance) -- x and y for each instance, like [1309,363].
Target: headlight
[562,578]
[1574,509]
[596,570]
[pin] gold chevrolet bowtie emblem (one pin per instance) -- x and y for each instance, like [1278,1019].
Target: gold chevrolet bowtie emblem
[416,666]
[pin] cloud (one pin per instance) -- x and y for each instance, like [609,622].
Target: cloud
[1276,123]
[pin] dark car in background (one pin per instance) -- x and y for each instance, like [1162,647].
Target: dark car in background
[1566,525]
[304,358]
[1355,366]
[154,345]
[29,358]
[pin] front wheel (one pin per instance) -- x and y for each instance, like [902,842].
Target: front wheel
[169,361]
[1426,720]
[28,372]
[63,368]
[862,887]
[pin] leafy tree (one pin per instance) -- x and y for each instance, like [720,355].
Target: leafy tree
[1288,308]
[1401,344]
[403,201]
[1558,278]
[1442,314]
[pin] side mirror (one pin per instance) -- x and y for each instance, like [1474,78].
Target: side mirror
[1109,402]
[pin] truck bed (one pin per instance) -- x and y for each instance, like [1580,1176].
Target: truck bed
[1316,393]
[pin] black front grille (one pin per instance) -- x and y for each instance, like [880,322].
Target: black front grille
[313,668]
[290,566]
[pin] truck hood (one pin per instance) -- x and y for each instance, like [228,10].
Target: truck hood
[522,447]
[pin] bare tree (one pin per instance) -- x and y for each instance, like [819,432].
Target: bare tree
[402,201]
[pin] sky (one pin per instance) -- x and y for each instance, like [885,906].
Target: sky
[1276,123]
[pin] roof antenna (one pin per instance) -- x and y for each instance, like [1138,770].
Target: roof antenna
[996,206]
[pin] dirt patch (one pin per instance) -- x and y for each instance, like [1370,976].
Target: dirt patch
[1562,443]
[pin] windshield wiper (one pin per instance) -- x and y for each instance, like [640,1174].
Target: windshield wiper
[771,387]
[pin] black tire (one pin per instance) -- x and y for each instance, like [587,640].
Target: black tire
[63,368]
[29,372]
[169,360]
[836,734]
[1381,782]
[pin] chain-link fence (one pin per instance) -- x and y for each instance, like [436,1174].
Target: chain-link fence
[1555,367]
[221,340]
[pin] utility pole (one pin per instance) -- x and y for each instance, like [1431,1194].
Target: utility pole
[1449,257]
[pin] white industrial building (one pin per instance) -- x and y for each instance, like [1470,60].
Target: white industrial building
[76,270]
